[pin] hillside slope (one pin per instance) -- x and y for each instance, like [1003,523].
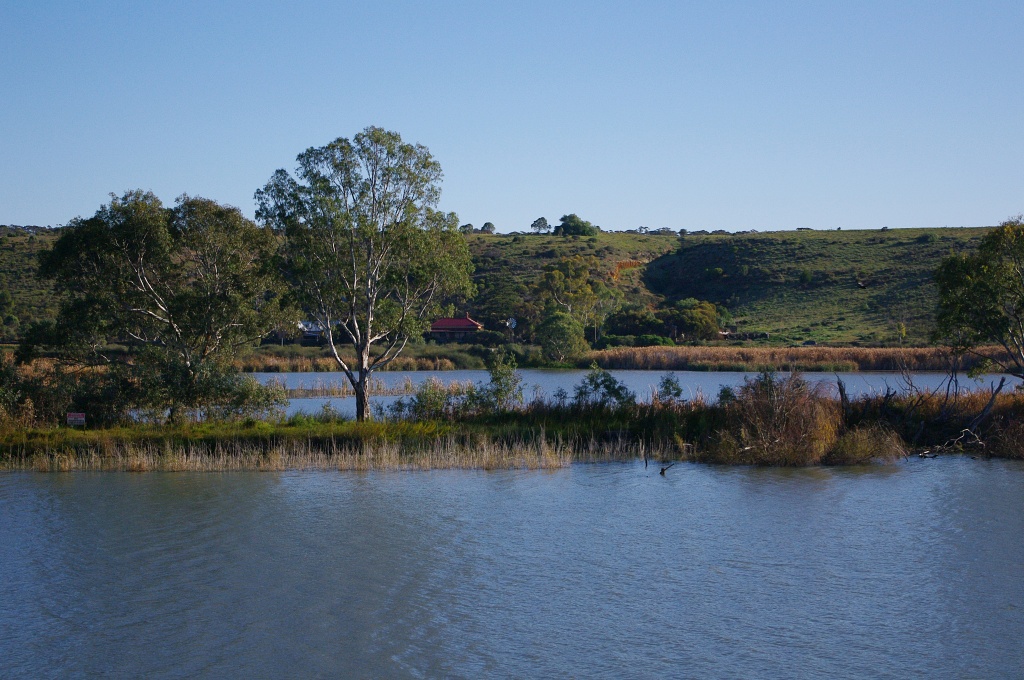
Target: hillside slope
[508,265]
[30,299]
[823,286]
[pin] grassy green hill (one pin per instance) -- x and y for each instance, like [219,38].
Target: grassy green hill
[825,286]
[798,286]
[30,299]
[507,265]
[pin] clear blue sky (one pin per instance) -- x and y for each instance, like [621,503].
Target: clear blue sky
[704,115]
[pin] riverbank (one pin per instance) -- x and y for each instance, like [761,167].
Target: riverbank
[306,444]
[757,359]
[771,421]
[748,358]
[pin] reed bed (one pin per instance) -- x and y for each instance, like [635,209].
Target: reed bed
[298,364]
[476,453]
[375,387]
[756,359]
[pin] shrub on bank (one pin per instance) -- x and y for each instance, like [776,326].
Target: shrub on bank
[776,421]
[863,445]
[769,420]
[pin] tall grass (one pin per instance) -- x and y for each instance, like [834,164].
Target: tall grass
[269,363]
[448,452]
[756,359]
[375,387]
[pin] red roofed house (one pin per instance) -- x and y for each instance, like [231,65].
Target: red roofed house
[444,330]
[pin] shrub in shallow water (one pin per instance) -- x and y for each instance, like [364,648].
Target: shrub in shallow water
[601,389]
[863,445]
[776,421]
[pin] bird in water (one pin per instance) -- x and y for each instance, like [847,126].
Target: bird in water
[662,473]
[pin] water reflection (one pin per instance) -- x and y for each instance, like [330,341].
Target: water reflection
[607,570]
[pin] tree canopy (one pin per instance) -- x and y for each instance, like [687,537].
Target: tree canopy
[181,288]
[981,298]
[574,285]
[561,337]
[368,256]
[572,225]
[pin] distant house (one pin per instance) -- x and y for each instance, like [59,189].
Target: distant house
[451,329]
[311,331]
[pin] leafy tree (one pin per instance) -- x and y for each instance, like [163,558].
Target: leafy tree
[368,257]
[691,318]
[574,285]
[981,298]
[572,225]
[540,226]
[182,288]
[601,389]
[635,321]
[488,228]
[566,283]
[504,392]
[561,337]
[499,297]
[466,228]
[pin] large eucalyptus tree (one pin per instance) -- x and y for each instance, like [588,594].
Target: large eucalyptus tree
[177,289]
[367,255]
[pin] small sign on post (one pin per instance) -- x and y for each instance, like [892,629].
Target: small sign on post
[76,419]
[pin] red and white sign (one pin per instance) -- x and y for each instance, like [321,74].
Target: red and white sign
[76,419]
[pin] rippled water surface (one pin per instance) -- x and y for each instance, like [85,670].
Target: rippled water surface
[913,570]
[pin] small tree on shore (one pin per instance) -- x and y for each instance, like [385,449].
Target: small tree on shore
[981,299]
[561,337]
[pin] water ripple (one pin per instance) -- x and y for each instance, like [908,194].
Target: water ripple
[596,571]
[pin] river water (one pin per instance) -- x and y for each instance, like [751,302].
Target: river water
[544,383]
[909,570]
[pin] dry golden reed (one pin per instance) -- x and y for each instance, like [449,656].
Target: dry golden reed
[276,364]
[444,453]
[718,358]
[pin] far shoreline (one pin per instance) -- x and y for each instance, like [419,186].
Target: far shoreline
[700,358]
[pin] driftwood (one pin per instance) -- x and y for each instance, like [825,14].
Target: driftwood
[973,427]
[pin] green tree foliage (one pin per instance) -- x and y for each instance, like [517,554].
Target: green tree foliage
[601,389]
[488,228]
[572,225]
[181,288]
[981,298]
[504,392]
[434,400]
[368,257]
[634,321]
[574,285]
[500,297]
[540,226]
[691,319]
[561,337]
